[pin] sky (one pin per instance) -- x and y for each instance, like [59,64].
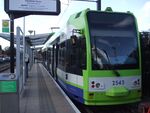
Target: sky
[43,24]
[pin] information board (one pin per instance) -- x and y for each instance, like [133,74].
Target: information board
[8,86]
[40,7]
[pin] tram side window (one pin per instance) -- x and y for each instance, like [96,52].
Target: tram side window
[51,55]
[76,56]
[61,56]
[83,53]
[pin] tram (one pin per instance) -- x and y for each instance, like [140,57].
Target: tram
[96,58]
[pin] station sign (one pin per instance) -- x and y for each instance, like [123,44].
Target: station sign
[8,83]
[39,7]
[8,86]
[5,26]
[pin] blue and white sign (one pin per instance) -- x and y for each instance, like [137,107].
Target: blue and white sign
[33,5]
[40,7]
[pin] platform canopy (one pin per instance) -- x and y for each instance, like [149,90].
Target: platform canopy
[5,36]
[38,39]
[33,40]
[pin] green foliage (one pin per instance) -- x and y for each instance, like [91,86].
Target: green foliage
[7,51]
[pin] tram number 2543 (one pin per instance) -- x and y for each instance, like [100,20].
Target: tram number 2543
[118,82]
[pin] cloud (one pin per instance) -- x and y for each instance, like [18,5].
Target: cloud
[144,17]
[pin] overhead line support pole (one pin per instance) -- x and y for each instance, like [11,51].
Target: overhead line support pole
[99,5]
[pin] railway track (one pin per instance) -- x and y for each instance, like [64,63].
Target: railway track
[129,108]
[4,67]
[115,109]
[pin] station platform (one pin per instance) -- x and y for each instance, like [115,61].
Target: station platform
[42,95]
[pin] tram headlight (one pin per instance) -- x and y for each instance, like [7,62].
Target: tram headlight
[97,85]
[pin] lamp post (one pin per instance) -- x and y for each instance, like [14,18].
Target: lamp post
[12,60]
[30,31]
[52,28]
[98,4]
[24,47]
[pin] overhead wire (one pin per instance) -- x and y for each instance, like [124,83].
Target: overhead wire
[65,10]
[62,14]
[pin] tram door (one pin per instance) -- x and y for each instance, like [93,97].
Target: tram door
[48,58]
[53,49]
[55,60]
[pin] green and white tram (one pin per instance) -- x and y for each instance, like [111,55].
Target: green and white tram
[97,58]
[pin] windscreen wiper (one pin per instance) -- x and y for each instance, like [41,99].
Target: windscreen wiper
[116,72]
[111,65]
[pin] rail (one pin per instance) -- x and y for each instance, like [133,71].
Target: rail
[4,66]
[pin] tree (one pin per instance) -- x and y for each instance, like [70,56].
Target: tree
[7,51]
